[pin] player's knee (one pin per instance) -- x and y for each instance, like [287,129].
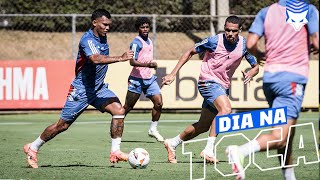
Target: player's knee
[127,108]
[282,144]
[205,129]
[158,106]
[225,110]
[119,111]
[201,128]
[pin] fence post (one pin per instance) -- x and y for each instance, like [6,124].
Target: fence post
[74,49]
[212,13]
[223,13]
[154,37]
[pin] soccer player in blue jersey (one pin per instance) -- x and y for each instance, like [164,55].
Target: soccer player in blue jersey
[223,55]
[141,78]
[285,76]
[88,88]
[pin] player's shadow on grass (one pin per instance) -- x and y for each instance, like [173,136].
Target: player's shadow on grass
[139,141]
[69,165]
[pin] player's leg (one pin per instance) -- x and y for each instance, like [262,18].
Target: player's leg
[107,101]
[288,173]
[278,95]
[222,106]
[152,91]
[115,108]
[75,104]
[131,100]
[31,149]
[216,100]
[293,97]
[133,93]
[191,131]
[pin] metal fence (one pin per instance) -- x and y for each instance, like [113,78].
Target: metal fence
[56,36]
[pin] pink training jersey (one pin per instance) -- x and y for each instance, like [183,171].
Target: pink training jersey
[145,56]
[221,64]
[286,49]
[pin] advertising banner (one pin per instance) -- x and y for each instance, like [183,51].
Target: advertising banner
[44,84]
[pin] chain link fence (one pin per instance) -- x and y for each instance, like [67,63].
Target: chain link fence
[56,36]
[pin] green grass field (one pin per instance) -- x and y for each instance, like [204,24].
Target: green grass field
[82,152]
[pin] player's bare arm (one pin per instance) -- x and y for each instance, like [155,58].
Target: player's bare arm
[102,59]
[152,64]
[250,74]
[315,43]
[168,79]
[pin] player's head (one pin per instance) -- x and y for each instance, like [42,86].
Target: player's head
[101,21]
[143,26]
[232,28]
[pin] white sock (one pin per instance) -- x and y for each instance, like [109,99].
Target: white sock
[35,145]
[153,125]
[115,144]
[288,174]
[176,141]
[210,144]
[250,147]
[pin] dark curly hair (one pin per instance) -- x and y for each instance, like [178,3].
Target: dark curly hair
[140,21]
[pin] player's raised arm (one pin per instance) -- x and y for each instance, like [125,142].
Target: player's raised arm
[168,79]
[102,59]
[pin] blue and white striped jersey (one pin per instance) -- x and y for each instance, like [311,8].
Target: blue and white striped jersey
[89,75]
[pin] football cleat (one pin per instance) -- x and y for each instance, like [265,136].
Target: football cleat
[117,156]
[156,135]
[171,151]
[237,159]
[209,157]
[31,156]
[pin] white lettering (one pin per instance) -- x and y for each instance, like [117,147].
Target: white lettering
[41,86]
[246,121]
[279,116]
[22,84]
[265,118]
[6,82]
[235,122]
[224,124]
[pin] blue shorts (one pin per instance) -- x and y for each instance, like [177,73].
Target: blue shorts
[79,99]
[149,87]
[288,94]
[210,91]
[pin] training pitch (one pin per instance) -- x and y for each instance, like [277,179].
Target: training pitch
[82,152]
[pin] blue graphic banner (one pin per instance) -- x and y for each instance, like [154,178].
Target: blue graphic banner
[251,120]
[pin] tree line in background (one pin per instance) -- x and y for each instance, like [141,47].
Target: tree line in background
[166,7]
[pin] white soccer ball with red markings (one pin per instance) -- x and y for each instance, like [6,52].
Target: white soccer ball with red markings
[139,158]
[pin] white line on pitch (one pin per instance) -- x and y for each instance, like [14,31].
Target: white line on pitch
[127,122]
[15,123]
[135,122]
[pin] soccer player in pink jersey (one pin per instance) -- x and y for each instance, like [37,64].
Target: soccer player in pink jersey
[285,72]
[223,54]
[141,78]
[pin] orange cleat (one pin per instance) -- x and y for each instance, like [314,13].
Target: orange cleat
[31,156]
[209,157]
[117,156]
[171,151]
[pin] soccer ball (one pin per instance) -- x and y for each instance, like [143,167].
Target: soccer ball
[139,158]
